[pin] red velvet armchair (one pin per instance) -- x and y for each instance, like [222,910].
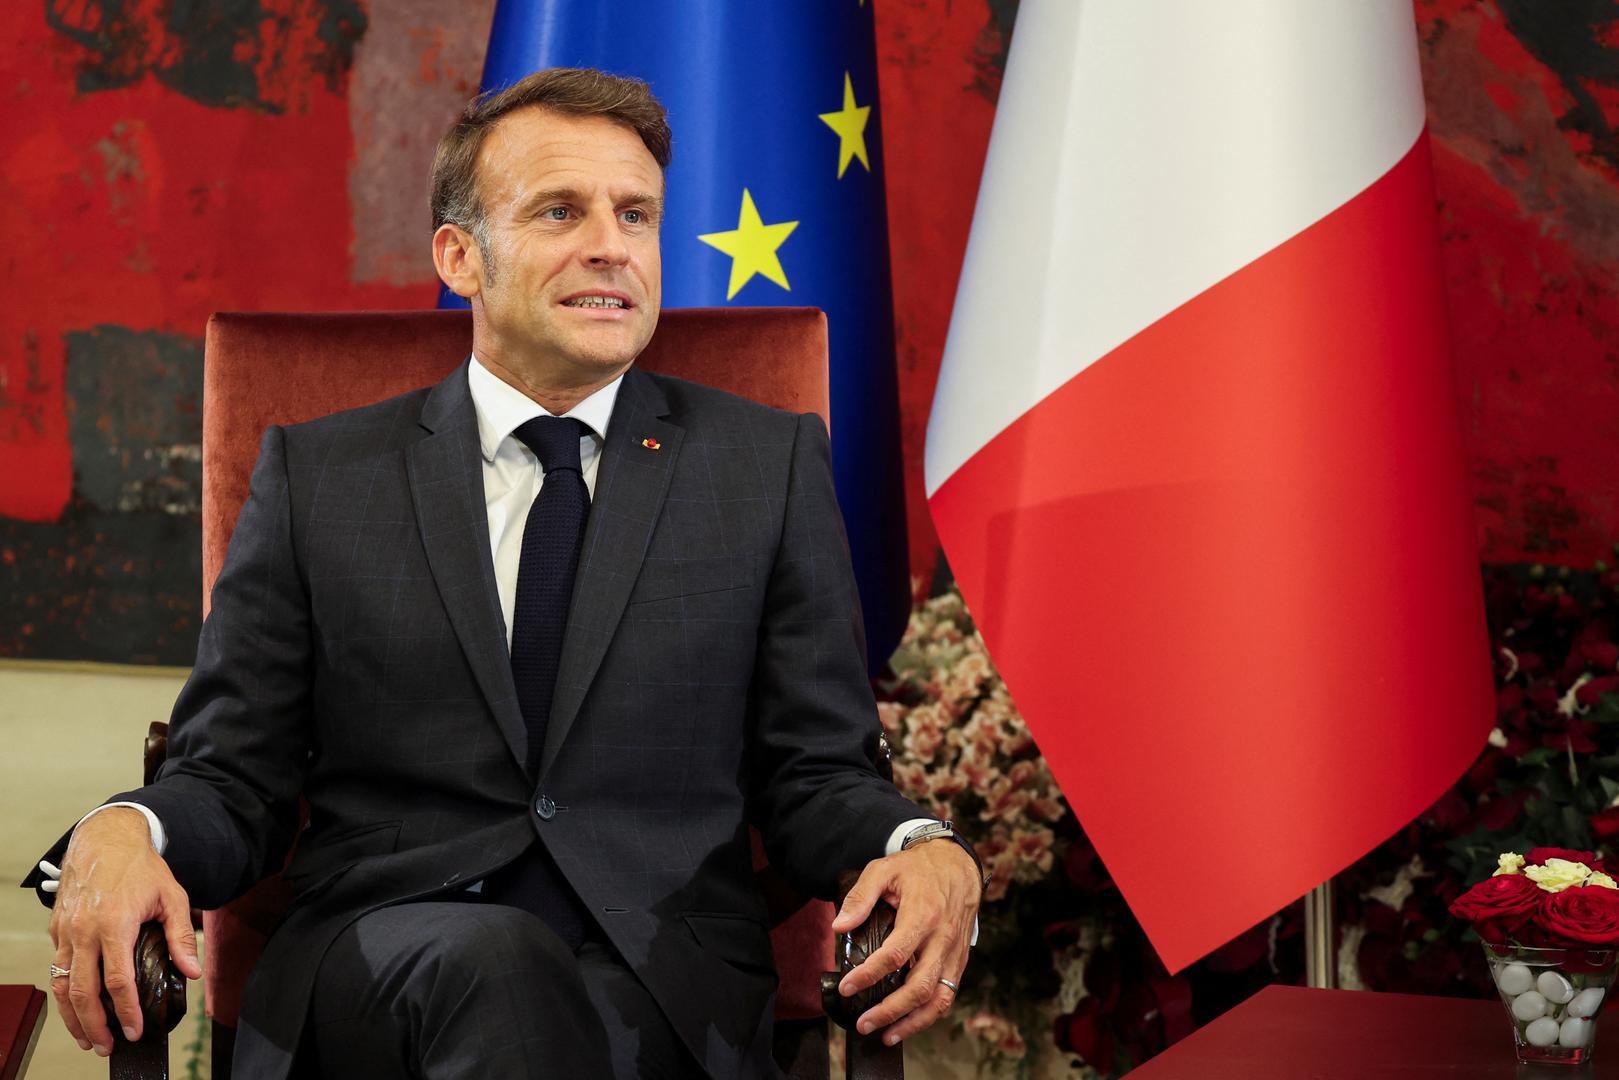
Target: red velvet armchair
[279,369]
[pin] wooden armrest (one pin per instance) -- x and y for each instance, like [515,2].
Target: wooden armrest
[868,1058]
[159,986]
[161,990]
[157,748]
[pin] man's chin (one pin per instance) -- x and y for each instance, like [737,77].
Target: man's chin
[607,351]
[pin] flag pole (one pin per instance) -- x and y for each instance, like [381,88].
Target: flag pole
[1320,938]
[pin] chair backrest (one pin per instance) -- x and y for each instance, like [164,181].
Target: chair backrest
[263,369]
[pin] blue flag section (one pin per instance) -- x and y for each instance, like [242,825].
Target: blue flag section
[775,197]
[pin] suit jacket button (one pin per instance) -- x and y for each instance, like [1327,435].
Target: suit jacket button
[545,808]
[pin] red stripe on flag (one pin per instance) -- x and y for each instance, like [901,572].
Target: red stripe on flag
[1229,574]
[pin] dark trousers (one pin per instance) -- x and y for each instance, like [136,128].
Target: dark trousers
[469,989]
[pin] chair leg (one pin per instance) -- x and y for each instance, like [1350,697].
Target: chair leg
[223,1041]
[144,1060]
[870,1059]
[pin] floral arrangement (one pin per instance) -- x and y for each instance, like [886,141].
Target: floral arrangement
[1550,923]
[1550,898]
[1549,774]
[1064,979]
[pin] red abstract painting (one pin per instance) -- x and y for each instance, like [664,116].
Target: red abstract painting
[160,161]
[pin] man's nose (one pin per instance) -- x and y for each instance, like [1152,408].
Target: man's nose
[603,241]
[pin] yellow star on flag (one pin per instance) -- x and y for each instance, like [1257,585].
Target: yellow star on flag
[850,124]
[752,247]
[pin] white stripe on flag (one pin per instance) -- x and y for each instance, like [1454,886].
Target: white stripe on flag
[1141,153]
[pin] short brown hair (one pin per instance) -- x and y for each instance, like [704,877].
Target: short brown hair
[575,91]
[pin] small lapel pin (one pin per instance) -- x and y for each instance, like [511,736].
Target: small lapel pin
[652,444]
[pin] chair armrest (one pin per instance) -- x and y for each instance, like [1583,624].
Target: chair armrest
[161,990]
[159,986]
[157,749]
[868,1058]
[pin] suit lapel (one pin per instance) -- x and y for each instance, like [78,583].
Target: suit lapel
[446,483]
[631,483]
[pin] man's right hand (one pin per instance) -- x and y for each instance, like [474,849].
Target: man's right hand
[112,882]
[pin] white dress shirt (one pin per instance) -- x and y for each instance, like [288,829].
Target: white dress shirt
[512,476]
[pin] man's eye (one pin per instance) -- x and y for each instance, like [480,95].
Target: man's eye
[634,217]
[557,213]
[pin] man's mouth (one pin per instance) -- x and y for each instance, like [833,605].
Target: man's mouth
[595,301]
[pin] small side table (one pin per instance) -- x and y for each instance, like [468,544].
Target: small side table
[22,1018]
[1298,1033]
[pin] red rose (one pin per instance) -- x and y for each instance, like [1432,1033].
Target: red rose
[1592,692]
[1502,810]
[1544,696]
[1082,1032]
[1499,902]
[1481,774]
[1539,855]
[1083,867]
[1583,913]
[1448,813]
[1605,826]
[1602,655]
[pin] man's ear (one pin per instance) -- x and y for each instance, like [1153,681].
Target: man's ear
[457,259]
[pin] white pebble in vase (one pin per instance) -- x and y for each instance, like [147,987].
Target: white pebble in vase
[1514,979]
[1575,1032]
[1529,1005]
[1542,1032]
[1554,987]
[1586,1002]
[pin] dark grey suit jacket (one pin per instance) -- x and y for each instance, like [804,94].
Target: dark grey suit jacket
[712,676]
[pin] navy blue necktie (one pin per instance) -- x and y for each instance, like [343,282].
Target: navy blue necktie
[552,536]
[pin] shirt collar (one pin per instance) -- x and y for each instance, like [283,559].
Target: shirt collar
[502,408]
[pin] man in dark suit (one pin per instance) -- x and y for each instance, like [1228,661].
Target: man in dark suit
[536,645]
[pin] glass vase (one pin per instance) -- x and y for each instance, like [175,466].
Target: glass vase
[1553,997]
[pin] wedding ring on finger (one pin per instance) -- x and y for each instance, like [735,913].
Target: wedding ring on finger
[60,972]
[955,988]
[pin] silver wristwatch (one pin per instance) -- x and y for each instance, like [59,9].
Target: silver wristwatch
[931,831]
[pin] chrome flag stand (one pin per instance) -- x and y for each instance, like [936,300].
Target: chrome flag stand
[1320,951]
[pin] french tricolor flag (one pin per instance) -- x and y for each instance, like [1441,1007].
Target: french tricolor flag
[1194,455]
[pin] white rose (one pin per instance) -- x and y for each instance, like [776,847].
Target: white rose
[1558,874]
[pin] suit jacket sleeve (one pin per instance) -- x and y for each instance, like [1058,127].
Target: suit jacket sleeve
[238,738]
[819,804]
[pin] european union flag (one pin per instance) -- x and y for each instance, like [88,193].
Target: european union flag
[775,196]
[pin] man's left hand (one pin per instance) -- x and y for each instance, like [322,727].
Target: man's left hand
[935,890]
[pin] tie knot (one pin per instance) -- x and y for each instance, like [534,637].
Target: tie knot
[554,440]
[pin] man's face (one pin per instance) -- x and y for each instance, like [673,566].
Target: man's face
[570,278]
